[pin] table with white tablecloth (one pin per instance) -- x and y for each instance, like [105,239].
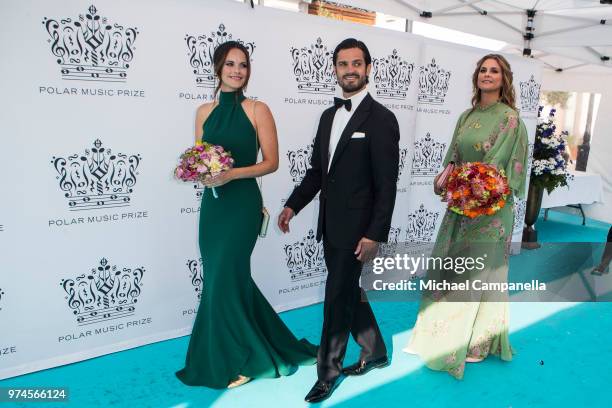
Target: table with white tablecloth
[584,188]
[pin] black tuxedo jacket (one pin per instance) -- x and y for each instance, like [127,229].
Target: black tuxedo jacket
[358,193]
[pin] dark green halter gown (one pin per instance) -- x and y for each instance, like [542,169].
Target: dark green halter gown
[236,331]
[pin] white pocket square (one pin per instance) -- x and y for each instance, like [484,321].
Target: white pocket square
[358,135]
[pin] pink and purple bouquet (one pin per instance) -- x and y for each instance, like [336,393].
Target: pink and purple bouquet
[202,162]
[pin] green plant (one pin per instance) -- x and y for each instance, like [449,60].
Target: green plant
[556,98]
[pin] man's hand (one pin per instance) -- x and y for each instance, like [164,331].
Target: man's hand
[283,219]
[366,250]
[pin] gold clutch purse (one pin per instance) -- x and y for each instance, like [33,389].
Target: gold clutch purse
[265,221]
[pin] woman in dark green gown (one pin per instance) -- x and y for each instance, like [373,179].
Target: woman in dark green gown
[237,335]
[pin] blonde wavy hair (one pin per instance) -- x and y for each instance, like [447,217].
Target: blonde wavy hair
[506,94]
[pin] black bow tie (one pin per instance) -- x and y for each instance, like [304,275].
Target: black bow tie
[339,102]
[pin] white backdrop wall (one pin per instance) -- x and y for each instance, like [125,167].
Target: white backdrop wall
[601,143]
[98,241]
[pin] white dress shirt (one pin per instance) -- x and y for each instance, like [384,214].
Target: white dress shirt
[341,119]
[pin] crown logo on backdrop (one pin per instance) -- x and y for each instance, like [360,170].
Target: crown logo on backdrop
[530,95]
[97,179]
[402,161]
[299,162]
[394,234]
[389,249]
[427,157]
[196,273]
[305,258]
[421,225]
[199,191]
[106,293]
[90,48]
[520,207]
[433,83]
[201,50]
[313,68]
[530,147]
[392,76]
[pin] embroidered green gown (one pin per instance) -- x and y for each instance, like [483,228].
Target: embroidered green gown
[447,331]
[236,331]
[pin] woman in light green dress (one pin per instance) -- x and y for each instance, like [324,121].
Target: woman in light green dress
[451,330]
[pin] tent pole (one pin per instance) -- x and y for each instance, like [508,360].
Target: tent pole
[445,9]
[408,27]
[528,35]
[565,30]
[572,18]
[547,64]
[585,147]
[599,55]
[522,10]
[485,13]
[410,6]
[575,66]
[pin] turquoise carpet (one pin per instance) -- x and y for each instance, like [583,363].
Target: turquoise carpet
[563,360]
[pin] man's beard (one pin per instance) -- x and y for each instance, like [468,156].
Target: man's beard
[355,86]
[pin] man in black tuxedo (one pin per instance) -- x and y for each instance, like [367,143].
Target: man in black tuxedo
[354,166]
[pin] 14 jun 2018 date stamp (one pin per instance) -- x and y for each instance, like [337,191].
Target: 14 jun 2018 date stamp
[33,394]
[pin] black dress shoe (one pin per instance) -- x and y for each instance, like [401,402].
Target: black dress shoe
[361,367]
[321,390]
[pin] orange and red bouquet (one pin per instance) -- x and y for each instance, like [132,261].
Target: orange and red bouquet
[476,189]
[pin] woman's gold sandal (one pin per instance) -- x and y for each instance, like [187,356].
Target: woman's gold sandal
[600,270]
[239,381]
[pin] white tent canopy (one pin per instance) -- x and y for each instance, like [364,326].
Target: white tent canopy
[563,34]
[572,39]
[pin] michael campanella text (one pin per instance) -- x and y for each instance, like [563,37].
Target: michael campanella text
[434,285]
